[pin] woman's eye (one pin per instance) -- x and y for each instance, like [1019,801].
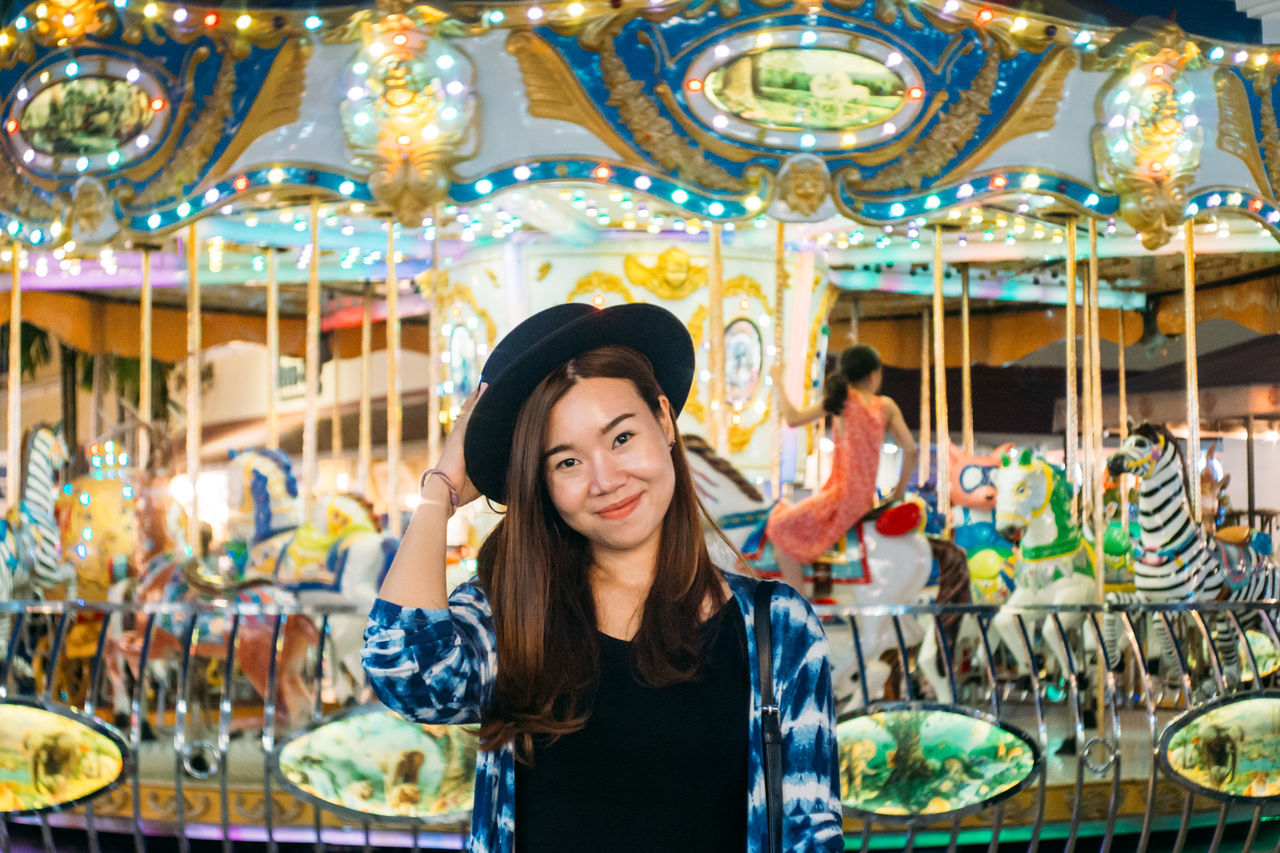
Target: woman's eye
[623,438]
[565,463]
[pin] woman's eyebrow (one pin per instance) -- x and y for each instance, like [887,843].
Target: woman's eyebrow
[604,430]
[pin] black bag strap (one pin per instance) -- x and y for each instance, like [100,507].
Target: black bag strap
[770,716]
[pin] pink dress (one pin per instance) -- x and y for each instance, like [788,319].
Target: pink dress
[806,530]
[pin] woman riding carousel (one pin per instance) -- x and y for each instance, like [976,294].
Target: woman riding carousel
[803,532]
[613,669]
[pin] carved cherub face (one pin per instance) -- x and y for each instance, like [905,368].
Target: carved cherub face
[673,266]
[805,187]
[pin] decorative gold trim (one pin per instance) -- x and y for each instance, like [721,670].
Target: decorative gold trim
[201,137]
[555,93]
[709,142]
[460,293]
[277,104]
[652,131]
[1236,133]
[952,132]
[655,279]
[1034,111]
[600,282]
[544,269]
[884,155]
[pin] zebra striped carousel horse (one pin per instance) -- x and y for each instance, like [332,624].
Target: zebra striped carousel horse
[1177,560]
[30,556]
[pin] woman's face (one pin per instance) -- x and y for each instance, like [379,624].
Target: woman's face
[607,463]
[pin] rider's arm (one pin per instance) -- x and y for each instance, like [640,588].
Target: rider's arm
[898,428]
[798,417]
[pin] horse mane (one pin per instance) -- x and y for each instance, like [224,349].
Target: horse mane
[1154,432]
[696,444]
[366,506]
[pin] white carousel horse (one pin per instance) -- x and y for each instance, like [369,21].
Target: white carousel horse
[1177,559]
[1054,562]
[876,569]
[339,556]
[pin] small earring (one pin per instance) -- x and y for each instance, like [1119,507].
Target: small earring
[671,444]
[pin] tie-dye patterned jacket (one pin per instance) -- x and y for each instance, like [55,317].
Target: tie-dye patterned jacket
[437,666]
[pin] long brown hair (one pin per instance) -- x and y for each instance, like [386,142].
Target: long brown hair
[534,570]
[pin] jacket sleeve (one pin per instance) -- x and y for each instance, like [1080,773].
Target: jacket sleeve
[433,666]
[811,781]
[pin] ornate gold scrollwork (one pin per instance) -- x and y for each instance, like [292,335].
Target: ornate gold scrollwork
[600,282]
[954,129]
[651,130]
[1236,132]
[460,294]
[199,142]
[555,93]
[1035,110]
[674,276]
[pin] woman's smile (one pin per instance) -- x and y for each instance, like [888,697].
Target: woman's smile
[621,509]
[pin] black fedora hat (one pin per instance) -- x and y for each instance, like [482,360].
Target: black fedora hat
[543,342]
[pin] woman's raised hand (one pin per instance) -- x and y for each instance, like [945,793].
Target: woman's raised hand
[453,461]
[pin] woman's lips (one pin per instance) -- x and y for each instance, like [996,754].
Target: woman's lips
[619,510]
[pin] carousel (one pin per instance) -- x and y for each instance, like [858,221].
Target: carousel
[257,257]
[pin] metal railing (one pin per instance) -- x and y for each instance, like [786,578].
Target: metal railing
[1098,751]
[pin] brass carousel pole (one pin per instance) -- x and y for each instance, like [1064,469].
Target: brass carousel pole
[273,350]
[1095,473]
[966,372]
[779,295]
[13,471]
[335,416]
[943,444]
[310,443]
[365,465]
[1189,341]
[435,295]
[194,417]
[922,472]
[144,364]
[1072,428]
[715,339]
[1122,485]
[395,414]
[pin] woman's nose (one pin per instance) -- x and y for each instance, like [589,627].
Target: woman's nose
[607,474]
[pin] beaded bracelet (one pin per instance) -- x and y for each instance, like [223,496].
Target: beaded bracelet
[436,472]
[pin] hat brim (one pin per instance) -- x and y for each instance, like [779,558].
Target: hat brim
[650,329]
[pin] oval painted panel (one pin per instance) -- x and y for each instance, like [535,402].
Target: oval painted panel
[809,88]
[370,761]
[743,359]
[920,761]
[86,115]
[1228,750]
[52,757]
[1264,655]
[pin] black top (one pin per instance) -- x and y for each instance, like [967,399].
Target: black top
[653,769]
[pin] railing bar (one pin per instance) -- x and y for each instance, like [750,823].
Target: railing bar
[946,659]
[1269,624]
[1110,680]
[1185,824]
[224,731]
[14,633]
[862,664]
[997,823]
[417,827]
[269,727]
[1253,831]
[1222,825]
[1214,660]
[90,702]
[1042,730]
[180,725]
[1149,700]
[368,846]
[59,637]
[135,730]
[5,844]
[866,836]
[988,656]
[1073,689]
[1248,649]
[317,711]
[46,834]
[955,835]
[902,655]
[911,840]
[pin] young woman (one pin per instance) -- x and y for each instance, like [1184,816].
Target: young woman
[803,532]
[611,666]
